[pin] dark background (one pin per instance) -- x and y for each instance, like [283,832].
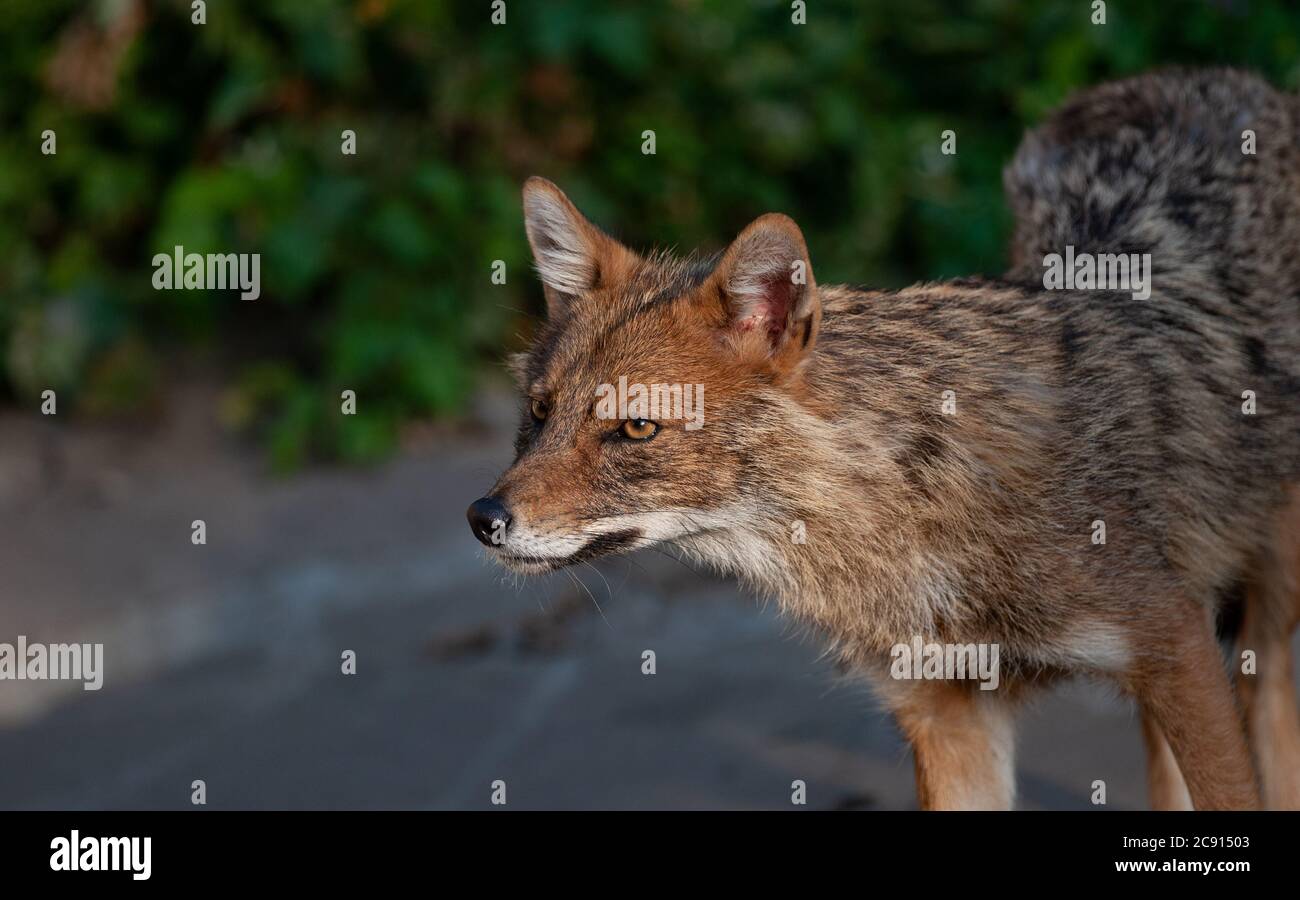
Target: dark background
[330,532]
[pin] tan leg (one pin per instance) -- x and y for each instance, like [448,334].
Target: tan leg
[1268,695]
[1182,685]
[1165,786]
[963,744]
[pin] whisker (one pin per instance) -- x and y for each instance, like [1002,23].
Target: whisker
[607,590]
[576,580]
[677,559]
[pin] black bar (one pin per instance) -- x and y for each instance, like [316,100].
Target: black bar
[334,849]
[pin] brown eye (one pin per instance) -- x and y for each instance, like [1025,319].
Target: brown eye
[539,410]
[639,429]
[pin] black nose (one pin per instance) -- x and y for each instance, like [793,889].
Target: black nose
[488,519]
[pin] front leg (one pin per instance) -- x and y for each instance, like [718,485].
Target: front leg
[963,743]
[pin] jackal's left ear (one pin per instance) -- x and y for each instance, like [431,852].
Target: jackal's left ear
[766,284]
[572,255]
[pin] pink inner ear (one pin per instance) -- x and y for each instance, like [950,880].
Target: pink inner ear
[768,305]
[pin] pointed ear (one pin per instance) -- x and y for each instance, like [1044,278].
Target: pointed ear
[768,292]
[572,255]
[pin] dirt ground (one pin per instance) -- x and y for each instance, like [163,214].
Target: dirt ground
[222,662]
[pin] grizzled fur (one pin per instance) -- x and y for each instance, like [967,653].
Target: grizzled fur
[824,407]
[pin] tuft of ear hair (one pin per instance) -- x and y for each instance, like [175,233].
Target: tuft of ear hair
[766,283]
[572,255]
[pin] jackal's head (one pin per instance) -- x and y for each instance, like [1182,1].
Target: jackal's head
[653,393]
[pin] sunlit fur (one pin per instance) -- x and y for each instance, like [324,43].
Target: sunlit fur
[975,526]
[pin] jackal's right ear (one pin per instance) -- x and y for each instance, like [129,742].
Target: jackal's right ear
[572,255]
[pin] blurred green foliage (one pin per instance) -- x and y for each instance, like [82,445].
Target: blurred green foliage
[225,137]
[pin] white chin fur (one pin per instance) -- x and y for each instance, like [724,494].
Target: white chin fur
[531,550]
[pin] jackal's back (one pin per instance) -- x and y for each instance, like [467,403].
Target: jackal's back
[1073,407]
[1200,169]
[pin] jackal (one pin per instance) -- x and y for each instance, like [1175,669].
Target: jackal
[1077,477]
